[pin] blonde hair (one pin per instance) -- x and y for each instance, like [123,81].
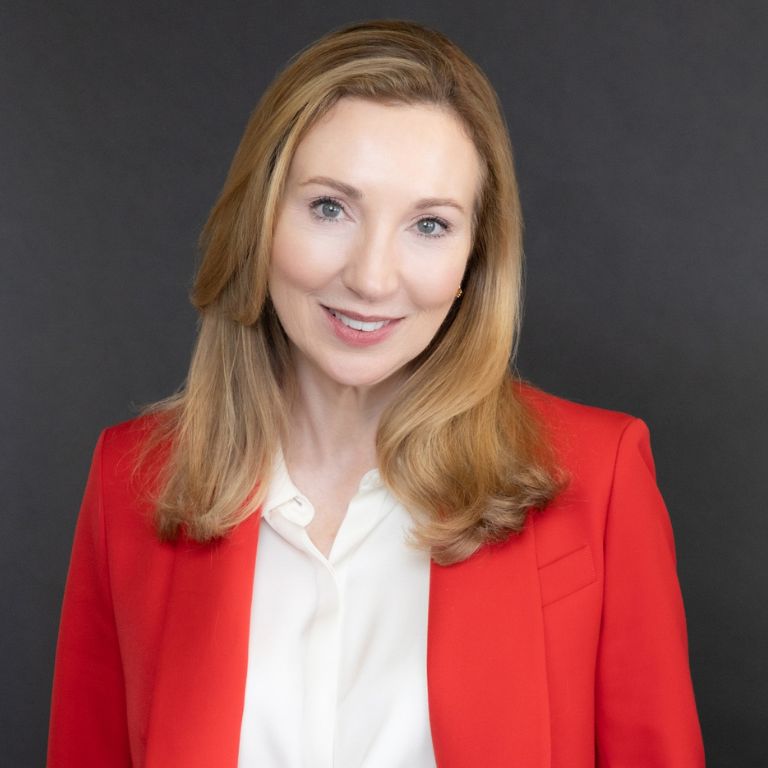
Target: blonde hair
[459,447]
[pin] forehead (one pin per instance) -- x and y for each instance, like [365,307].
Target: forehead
[425,148]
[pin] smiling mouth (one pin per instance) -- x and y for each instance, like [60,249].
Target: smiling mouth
[359,325]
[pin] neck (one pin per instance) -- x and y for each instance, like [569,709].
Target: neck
[335,424]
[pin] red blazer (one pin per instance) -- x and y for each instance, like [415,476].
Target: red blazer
[564,647]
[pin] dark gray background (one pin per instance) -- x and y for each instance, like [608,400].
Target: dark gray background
[640,132]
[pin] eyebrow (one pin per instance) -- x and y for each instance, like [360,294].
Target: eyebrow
[356,194]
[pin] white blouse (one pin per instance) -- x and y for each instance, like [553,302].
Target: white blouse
[337,650]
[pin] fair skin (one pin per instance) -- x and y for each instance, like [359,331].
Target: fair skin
[371,242]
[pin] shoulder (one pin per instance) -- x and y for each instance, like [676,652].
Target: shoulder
[127,461]
[130,435]
[563,416]
[131,446]
[606,459]
[604,455]
[587,440]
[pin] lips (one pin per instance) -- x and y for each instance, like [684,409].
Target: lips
[360,330]
[359,325]
[359,321]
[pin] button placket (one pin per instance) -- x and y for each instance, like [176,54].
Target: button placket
[322,668]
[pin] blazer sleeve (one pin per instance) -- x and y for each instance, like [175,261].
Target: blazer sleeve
[88,725]
[645,709]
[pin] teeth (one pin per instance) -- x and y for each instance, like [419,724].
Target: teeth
[359,325]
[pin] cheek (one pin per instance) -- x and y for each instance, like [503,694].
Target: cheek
[301,262]
[435,288]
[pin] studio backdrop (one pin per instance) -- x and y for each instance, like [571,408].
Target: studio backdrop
[639,131]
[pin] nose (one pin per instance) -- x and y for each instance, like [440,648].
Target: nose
[371,270]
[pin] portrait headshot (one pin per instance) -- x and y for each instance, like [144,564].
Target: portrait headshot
[385,385]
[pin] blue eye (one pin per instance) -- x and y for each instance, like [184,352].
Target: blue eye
[432,227]
[327,209]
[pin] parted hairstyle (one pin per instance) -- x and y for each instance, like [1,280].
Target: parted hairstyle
[458,446]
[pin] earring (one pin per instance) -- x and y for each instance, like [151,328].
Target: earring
[458,293]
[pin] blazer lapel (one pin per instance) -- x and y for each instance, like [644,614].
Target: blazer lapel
[202,662]
[486,662]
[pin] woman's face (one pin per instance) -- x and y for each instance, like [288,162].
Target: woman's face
[372,237]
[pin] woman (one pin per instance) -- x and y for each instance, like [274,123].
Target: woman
[453,567]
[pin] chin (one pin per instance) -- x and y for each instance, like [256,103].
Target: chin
[360,378]
[359,381]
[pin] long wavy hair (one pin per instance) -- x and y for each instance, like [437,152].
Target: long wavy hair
[459,446]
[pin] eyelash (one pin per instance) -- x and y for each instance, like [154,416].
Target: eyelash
[315,204]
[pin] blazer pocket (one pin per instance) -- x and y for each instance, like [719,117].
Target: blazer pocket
[566,575]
